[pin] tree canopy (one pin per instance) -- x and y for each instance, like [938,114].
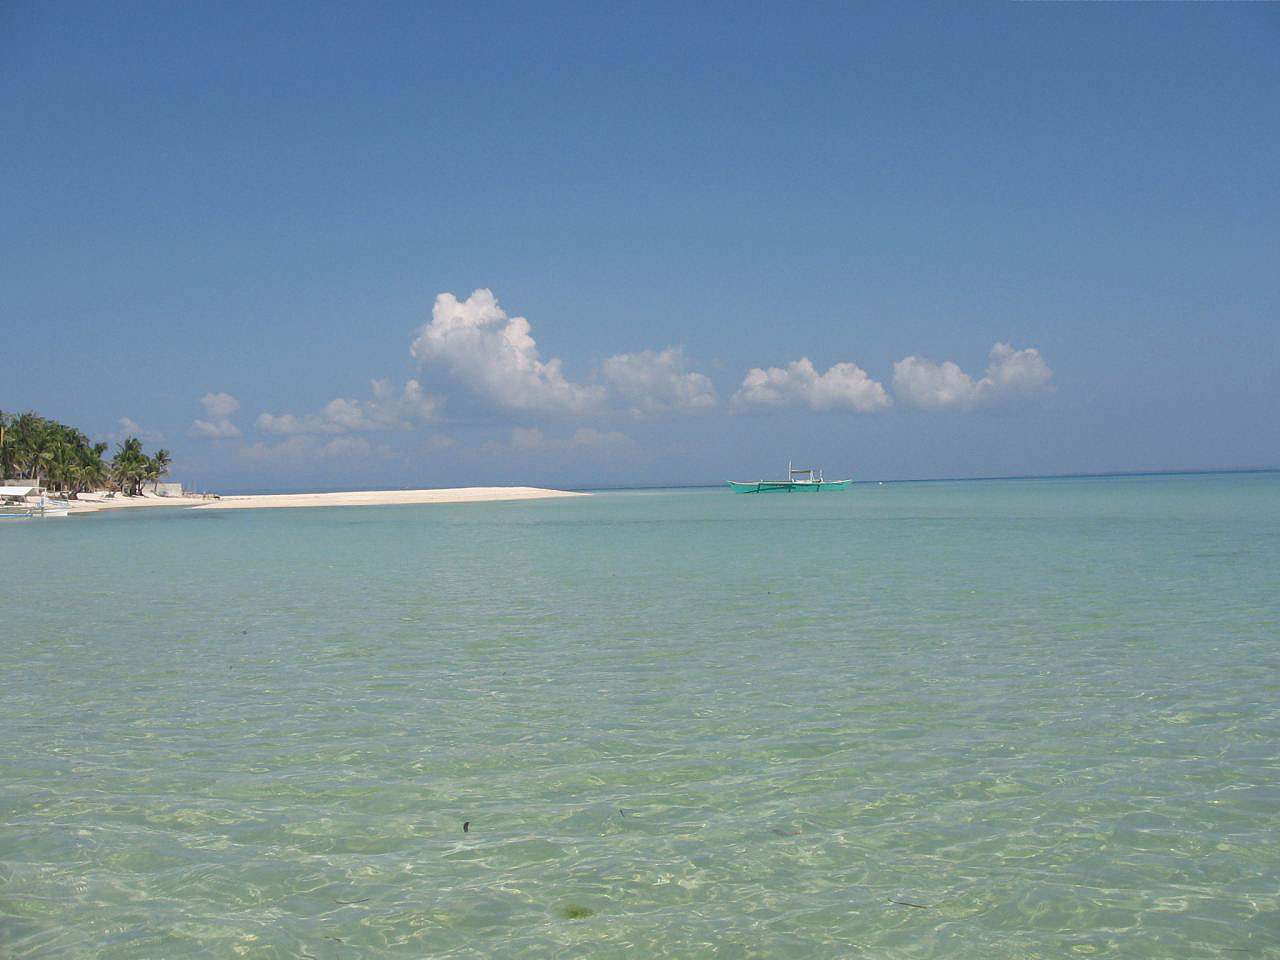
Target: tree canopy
[36,448]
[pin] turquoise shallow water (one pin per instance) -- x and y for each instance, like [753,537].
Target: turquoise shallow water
[1042,716]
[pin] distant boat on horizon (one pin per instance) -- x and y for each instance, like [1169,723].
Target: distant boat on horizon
[799,480]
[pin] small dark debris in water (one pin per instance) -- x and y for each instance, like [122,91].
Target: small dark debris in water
[575,912]
[904,903]
[466,826]
[347,903]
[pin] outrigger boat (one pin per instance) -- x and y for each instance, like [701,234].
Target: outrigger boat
[798,481]
[17,503]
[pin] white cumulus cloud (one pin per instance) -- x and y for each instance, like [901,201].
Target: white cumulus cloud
[218,407]
[213,429]
[496,357]
[655,381]
[130,428]
[1010,374]
[1013,373]
[284,424]
[843,386]
[387,409]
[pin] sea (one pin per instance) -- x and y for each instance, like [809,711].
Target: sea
[975,719]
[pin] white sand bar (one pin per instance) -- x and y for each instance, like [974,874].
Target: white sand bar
[101,500]
[369,498]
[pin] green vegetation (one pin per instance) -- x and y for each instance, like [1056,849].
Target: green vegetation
[33,447]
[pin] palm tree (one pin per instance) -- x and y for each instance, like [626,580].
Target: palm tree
[129,467]
[25,443]
[92,472]
[33,447]
[7,448]
[159,466]
[63,462]
[39,455]
[160,462]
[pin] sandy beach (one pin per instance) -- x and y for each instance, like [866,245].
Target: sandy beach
[94,502]
[366,498]
[100,500]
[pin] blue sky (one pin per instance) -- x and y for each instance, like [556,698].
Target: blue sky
[894,240]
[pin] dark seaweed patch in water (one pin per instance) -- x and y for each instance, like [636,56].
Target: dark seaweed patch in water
[575,912]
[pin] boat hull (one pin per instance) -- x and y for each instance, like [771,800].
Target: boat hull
[788,486]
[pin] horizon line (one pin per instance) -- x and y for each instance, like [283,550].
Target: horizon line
[706,485]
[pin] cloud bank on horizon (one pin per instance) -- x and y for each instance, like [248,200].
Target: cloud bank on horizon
[487,363]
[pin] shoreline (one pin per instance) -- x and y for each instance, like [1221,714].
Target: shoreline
[97,502]
[379,498]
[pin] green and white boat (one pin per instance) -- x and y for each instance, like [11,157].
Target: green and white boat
[799,480]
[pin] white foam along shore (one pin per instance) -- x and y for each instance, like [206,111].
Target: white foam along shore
[93,502]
